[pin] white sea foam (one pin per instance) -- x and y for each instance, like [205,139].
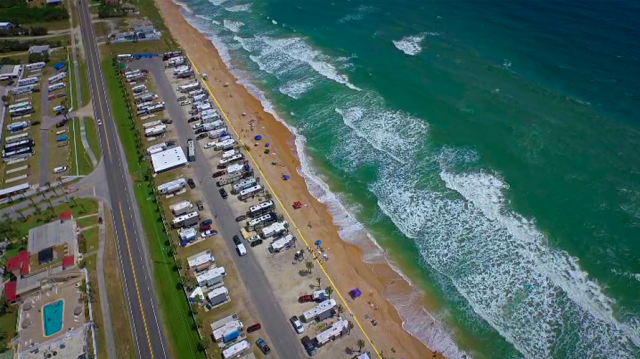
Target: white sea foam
[184,6]
[360,13]
[412,45]
[274,22]
[217,2]
[204,17]
[239,8]
[297,88]
[232,25]
[393,133]
[279,55]
[502,265]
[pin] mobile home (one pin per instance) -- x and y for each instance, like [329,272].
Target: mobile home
[155,131]
[36,66]
[211,277]
[201,261]
[28,81]
[189,87]
[225,145]
[320,311]
[337,330]
[23,89]
[186,220]
[139,88]
[17,138]
[236,349]
[274,229]
[59,77]
[227,329]
[173,186]
[58,86]
[181,208]
[18,126]
[218,296]
[282,243]
[187,236]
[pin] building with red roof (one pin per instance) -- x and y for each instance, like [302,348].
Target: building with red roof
[20,264]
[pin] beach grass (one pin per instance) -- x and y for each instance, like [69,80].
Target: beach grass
[183,337]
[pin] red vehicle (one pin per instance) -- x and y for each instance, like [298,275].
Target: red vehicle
[254,327]
[305,298]
[205,228]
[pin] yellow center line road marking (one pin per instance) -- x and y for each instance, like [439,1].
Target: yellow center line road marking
[135,281]
[287,212]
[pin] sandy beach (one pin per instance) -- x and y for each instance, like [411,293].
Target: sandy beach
[377,281]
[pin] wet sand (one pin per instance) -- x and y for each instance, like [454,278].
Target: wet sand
[377,281]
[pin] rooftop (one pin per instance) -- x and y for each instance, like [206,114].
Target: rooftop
[39,49]
[10,70]
[53,234]
[21,262]
[168,159]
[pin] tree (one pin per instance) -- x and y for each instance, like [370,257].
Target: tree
[340,308]
[360,344]
[319,280]
[19,211]
[329,291]
[52,188]
[350,326]
[309,266]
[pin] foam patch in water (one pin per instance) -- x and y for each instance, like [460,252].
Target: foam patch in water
[296,88]
[412,45]
[233,26]
[239,8]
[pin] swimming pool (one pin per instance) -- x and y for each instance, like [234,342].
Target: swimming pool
[52,317]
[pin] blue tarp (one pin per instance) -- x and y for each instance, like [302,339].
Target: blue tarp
[355,293]
[62,138]
[258,138]
[143,56]
[59,65]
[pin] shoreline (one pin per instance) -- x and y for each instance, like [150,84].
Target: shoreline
[379,281]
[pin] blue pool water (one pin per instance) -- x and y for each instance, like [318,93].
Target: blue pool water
[52,317]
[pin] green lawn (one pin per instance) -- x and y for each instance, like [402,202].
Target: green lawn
[84,82]
[88,221]
[8,328]
[90,265]
[175,310]
[52,25]
[91,236]
[71,84]
[92,137]
[84,166]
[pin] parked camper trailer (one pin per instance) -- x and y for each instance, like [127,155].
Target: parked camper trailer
[213,134]
[18,126]
[139,88]
[181,208]
[23,89]
[186,220]
[58,86]
[261,221]
[157,148]
[26,151]
[248,183]
[155,131]
[17,145]
[187,235]
[17,138]
[227,161]
[146,97]
[335,331]
[19,105]
[319,311]
[36,66]
[235,177]
[189,87]
[28,81]
[230,327]
[273,230]
[59,77]
[169,55]
[21,111]
[260,208]
[151,124]
[173,186]
[185,74]
[225,145]
[211,277]
[236,349]
[218,296]
[201,261]
[59,109]
[250,192]
[282,243]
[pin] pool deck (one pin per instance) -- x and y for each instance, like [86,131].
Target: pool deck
[31,320]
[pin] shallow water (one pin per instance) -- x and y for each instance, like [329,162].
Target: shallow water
[490,148]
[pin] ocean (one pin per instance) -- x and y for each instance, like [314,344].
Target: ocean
[489,148]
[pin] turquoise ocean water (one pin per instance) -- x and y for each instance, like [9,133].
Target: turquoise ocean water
[491,148]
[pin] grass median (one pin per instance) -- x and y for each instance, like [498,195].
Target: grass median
[91,129]
[181,328]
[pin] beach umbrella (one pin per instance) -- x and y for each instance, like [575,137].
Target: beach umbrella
[258,137]
[318,242]
[266,144]
[285,177]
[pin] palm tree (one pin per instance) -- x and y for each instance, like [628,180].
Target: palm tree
[60,184]
[329,291]
[319,280]
[340,309]
[350,326]
[52,188]
[360,344]
[19,211]
[309,265]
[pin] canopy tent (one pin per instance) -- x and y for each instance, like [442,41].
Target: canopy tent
[355,293]
[258,137]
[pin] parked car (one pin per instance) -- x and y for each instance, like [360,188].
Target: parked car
[193,119]
[35,123]
[205,228]
[241,218]
[201,136]
[263,346]
[296,324]
[171,143]
[223,193]
[207,222]
[305,298]
[236,240]
[254,327]
[182,98]
[209,233]
[167,122]
[200,205]
[99,122]
[60,169]
[191,184]
[209,145]
[241,249]
[218,174]
[199,130]
[185,103]
[308,345]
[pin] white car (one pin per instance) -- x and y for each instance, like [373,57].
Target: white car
[209,145]
[296,324]
[208,233]
[60,169]
[241,249]
[99,122]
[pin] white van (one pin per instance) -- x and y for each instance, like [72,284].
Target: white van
[241,249]
[60,169]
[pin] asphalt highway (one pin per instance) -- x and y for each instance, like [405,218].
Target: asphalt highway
[148,335]
[283,338]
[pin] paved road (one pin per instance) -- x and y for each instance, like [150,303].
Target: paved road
[134,256]
[284,340]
